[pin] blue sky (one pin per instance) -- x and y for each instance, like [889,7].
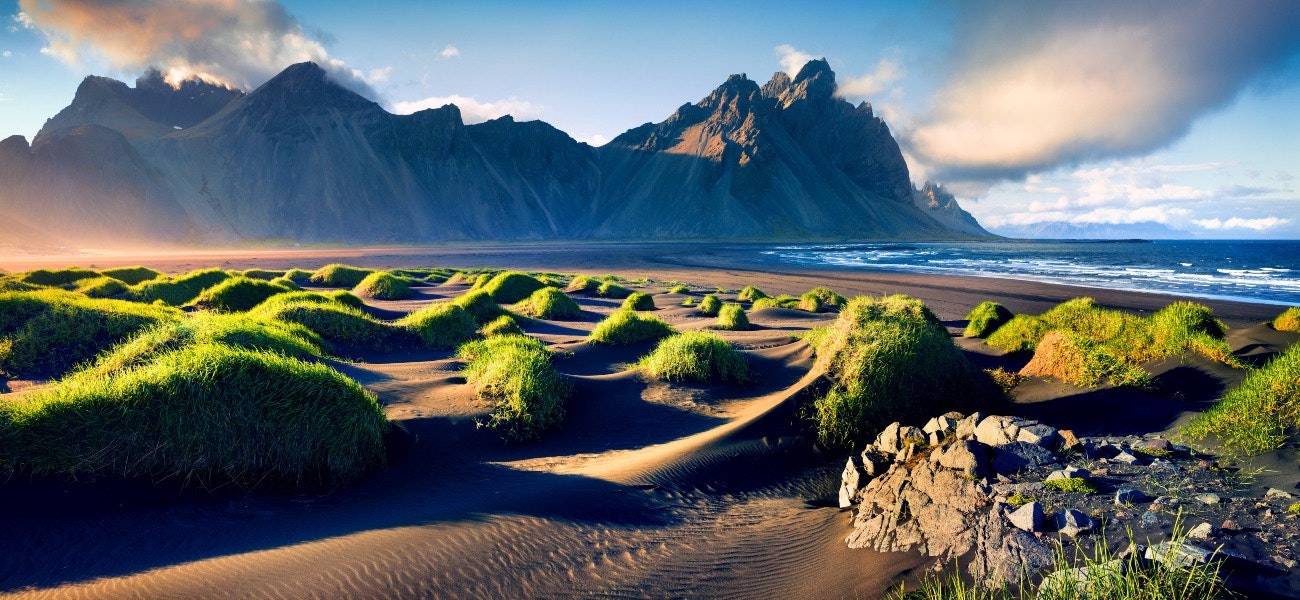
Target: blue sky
[1180,113]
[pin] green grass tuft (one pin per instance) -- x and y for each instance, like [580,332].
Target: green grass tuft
[515,374]
[440,325]
[502,325]
[629,327]
[750,293]
[480,306]
[46,333]
[638,301]
[609,289]
[1289,320]
[382,285]
[1259,415]
[131,275]
[583,284]
[57,277]
[511,287]
[986,318]
[821,298]
[263,274]
[178,290]
[732,317]
[696,356]
[1075,359]
[679,289]
[709,305]
[298,275]
[891,360]
[481,281]
[101,287]
[342,276]
[287,283]
[782,301]
[334,322]
[238,294]
[1018,500]
[1019,334]
[208,413]
[1077,485]
[550,303]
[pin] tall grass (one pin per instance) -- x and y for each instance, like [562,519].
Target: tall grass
[821,298]
[1289,320]
[337,275]
[101,287]
[638,301]
[207,412]
[238,294]
[382,285]
[1259,415]
[178,290]
[550,303]
[986,318]
[480,305]
[750,293]
[709,305]
[696,356]
[732,317]
[515,373]
[46,333]
[57,277]
[890,360]
[630,327]
[440,325]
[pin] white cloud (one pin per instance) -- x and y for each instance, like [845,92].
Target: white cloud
[792,59]
[474,111]
[870,84]
[1240,223]
[594,139]
[6,54]
[20,21]
[450,52]
[378,75]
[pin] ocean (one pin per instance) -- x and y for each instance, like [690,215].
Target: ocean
[1248,271]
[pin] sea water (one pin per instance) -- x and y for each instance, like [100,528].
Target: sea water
[1250,271]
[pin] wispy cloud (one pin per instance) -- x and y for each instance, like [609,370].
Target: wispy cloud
[594,139]
[238,43]
[6,54]
[450,52]
[19,21]
[870,84]
[1041,85]
[792,59]
[474,111]
[1262,224]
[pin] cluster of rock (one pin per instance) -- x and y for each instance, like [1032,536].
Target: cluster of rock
[997,491]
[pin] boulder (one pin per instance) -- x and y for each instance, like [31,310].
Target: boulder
[850,482]
[1068,472]
[1068,440]
[1276,493]
[874,464]
[887,441]
[968,457]
[1028,517]
[1016,456]
[997,430]
[1073,522]
[966,426]
[1209,498]
[1125,496]
[1040,434]
[942,424]
[1080,581]
[1178,554]
[1201,532]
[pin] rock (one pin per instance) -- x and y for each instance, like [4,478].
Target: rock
[874,463]
[1161,465]
[910,436]
[997,430]
[1178,554]
[1126,458]
[966,427]
[1201,532]
[1068,440]
[943,424]
[1079,582]
[936,438]
[1068,472]
[968,457]
[1072,522]
[1208,498]
[1106,451]
[850,481]
[1028,517]
[1230,525]
[887,441]
[1286,562]
[1040,434]
[1016,456]
[1124,496]
[1276,493]
[1168,501]
[1158,445]
[1149,518]
[1027,488]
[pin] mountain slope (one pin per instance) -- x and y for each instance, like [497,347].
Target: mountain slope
[302,158]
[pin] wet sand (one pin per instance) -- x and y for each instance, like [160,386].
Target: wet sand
[648,490]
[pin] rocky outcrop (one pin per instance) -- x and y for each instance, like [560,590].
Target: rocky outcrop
[302,158]
[942,206]
[996,493]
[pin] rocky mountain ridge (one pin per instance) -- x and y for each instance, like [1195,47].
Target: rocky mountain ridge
[303,159]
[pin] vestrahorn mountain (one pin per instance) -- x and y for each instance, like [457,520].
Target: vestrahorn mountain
[303,159]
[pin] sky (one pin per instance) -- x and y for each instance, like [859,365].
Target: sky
[1175,116]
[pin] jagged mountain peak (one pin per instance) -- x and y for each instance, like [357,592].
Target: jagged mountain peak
[777,85]
[306,87]
[151,109]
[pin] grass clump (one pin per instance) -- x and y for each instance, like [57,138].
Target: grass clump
[750,293]
[550,303]
[583,284]
[511,287]
[287,283]
[731,317]
[609,289]
[131,275]
[629,327]
[1258,415]
[57,277]
[333,321]
[986,318]
[696,356]
[298,275]
[688,302]
[1289,320]
[440,325]
[1019,334]
[781,301]
[46,333]
[1075,359]
[1294,509]
[263,274]
[1076,485]
[1005,380]
[679,289]
[337,275]
[176,291]
[821,298]
[515,374]
[481,281]
[382,285]
[638,301]
[709,305]
[480,305]
[102,287]
[890,359]
[1018,500]
[210,413]
[238,294]
[502,325]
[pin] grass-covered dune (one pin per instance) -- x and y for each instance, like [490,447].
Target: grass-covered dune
[337,275]
[382,285]
[1259,415]
[732,317]
[176,291]
[336,322]
[131,275]
[511,287]
[206,412]
[514,373]
[986,318]
[440,325]
[238,294]
[696,356]
[630,327]
[638,301]
[1289,320]
[890,359]
[551,304]
[46,333]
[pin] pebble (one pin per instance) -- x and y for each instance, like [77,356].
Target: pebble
[1275,493]
[1201,532]
[1163,466]
[1150,518]
[1230,525]
[1209,498]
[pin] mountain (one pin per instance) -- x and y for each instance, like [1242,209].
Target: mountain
[302,158]
[942,206]
[1057,230]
